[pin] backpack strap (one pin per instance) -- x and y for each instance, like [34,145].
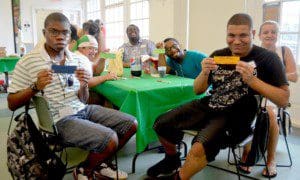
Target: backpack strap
[283,53]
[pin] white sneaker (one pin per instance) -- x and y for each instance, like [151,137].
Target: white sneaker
[108,170]
[78,174]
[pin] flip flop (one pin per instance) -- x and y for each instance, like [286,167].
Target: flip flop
[272,171]
[244,169]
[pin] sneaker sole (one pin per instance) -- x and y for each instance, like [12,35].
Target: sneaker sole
[102,177]
[164,175]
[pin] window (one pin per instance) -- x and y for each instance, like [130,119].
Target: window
[290,27]
[93,9]
[288,16]
[114,23]
[139,15]
[117,15]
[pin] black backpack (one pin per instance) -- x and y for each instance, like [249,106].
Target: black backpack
[28,154]
[260,137]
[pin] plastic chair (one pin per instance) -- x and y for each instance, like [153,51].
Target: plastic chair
[46,125]
[233,147]
[285,125]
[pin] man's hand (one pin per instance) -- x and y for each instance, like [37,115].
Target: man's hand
[159,45]
[208,64]
[246,70]
[83,76]
[111,76]
[44,77]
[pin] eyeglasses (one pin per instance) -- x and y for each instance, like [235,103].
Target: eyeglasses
[173,47]
[55,33]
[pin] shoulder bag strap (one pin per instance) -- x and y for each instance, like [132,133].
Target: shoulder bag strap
[283,53]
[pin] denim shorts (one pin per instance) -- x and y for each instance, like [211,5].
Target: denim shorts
[93,127]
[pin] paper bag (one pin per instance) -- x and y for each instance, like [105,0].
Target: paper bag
[116,65]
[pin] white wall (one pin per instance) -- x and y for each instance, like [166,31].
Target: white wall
[6,25]
[28,7]
[161,19]
[208,23]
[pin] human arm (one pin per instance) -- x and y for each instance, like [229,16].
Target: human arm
[290,65]
[162,58]
[201,81]
[278,95]
[94,81]
[83,76]
[98,65]
[20,98]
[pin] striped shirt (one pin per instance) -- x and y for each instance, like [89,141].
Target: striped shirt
[85,61]
[58,95]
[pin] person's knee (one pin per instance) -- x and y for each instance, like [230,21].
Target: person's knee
[112,144]
[134,126]
[159,124]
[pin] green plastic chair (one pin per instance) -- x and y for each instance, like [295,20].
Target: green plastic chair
[70,155]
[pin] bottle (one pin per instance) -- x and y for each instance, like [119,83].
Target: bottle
[136,65]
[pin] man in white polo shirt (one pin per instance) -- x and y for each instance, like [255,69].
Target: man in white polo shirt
[94,128]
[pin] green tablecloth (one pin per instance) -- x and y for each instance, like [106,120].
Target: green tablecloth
[146,98]
[7,64]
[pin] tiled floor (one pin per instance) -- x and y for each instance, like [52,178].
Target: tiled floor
[147,159]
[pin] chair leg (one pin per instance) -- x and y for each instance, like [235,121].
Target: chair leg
[229,157]
[236,163]
[116,160]
[289,153]
[184,148]
[133,162]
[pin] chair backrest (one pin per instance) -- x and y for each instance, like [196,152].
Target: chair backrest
[45,118]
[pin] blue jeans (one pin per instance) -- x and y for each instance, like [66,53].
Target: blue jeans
[93,127]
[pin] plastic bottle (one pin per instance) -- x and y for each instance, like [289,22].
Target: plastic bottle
[135,64]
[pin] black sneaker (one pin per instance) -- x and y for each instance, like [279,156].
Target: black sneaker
[166,167]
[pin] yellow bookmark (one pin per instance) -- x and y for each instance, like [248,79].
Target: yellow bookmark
[226,59]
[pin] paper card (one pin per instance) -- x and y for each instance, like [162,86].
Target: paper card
[107,55]
[226,59]
[159,51]
[63,69]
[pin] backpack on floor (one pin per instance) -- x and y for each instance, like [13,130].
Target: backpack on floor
[28,155]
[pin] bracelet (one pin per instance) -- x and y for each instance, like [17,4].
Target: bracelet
[33,87]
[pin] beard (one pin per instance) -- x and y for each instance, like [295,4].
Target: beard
[134,39]
[179,56]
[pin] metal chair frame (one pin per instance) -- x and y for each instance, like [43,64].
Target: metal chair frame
[46,124]
[149,149]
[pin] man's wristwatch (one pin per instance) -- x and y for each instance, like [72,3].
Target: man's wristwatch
[33,87]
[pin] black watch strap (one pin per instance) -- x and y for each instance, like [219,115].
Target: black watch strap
[33,87]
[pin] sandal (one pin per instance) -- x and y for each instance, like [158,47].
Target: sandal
[272,171]
[244,169]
